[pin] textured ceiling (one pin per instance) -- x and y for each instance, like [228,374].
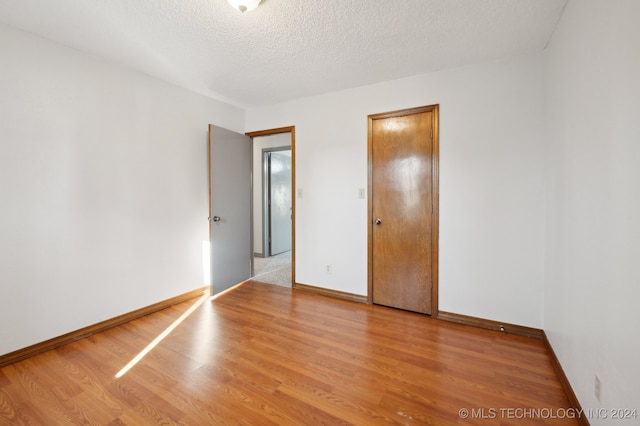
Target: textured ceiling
[288,49]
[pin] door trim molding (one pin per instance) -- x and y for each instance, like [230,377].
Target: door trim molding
[292,130]
[435,183]
[275,131]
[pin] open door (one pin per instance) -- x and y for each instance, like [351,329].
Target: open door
[230,168]
[278,204]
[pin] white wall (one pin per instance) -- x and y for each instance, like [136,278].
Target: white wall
[102,189]
[259,143]
[593,274]
[491,185]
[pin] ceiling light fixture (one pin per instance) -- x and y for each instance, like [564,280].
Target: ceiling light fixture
[244,5]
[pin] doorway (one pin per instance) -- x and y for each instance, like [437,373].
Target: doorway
[276,197]
[273,206]
[403,209]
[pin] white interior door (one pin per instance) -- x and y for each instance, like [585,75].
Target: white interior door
[280,201]
[230,209]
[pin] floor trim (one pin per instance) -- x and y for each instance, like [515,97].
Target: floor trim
[564,381]
[527,332]
[331,293]
[73,336]
[504,327]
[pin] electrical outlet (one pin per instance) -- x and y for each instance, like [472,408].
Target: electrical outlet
[597,388]
[328,269]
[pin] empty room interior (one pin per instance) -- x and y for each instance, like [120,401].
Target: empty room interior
[458,228]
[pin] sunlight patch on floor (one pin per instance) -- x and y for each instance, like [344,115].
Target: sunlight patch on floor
[162,335]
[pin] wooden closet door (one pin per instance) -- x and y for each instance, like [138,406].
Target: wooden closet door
[402,191]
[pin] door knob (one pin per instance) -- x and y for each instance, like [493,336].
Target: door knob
[378,221]
[217,218]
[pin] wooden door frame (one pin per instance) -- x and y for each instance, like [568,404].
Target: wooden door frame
[435,161]
[292,130]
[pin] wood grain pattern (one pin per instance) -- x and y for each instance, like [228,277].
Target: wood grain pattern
[403,244]
[268,355]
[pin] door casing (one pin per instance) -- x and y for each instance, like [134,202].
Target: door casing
[292,130]
[434,109]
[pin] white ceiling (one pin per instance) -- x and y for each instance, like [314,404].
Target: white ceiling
[288,49]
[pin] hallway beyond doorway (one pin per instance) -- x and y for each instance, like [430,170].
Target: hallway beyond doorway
[273,270]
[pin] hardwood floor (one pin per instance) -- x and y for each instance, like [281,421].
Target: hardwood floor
[263,354]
